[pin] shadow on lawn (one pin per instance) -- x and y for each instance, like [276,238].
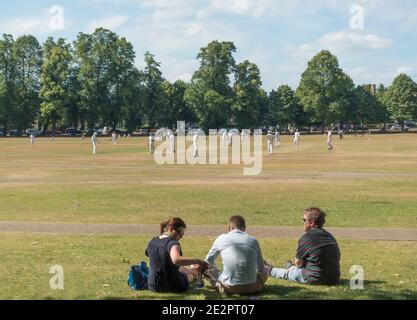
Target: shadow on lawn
[290,291]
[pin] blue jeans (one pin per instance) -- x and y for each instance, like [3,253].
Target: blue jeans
[293,274]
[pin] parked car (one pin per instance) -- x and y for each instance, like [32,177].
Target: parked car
[1,134]
[398,128]
[36,132]
[358,128]
[89,132]
[72,132]
[14,133]
[49,133]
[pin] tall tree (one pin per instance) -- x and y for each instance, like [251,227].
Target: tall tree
[325,88]
[154,100]
[7,80]
[249,95]
[28,58]
[401,99]
[366,106]
[55,73]
[285,107]
[176,108]
[210,94]
[132,110]
[106,62]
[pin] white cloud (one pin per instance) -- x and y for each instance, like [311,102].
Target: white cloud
[21,26]
[349,40]
[255,8]
[112,23]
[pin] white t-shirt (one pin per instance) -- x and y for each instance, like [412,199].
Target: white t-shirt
[329,135]
[297,136]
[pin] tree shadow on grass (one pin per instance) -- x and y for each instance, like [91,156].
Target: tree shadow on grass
[291,291]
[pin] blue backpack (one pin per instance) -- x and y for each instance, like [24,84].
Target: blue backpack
[138,277]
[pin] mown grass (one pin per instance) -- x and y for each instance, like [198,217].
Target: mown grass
[96,267]
[365,182]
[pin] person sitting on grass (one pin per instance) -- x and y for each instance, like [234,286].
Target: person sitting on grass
[244,271]
[318,255]
[168,267]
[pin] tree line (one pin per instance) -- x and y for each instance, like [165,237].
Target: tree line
[94,81]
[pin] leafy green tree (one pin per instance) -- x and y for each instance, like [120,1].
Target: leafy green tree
[366,105]
[176,109]
[401,99]
[210,95]
[325,89]
[285,107]
[383,115]
[105,65]
[249,95]
[154,99]
[55,73]
[132,112]
[8,91]
[28,62]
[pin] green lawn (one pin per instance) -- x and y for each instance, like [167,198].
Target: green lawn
[365,182]
[96,268]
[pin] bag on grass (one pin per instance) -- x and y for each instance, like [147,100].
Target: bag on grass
[138,277]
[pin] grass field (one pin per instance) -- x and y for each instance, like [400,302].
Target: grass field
[96,268]
[365,182]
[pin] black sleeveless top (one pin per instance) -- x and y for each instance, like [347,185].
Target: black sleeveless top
[164,275]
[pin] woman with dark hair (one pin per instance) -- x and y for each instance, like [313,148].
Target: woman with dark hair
[168,272]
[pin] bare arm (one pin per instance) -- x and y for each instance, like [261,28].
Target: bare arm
[180,261]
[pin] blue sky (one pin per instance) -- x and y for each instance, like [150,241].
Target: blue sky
[280,36]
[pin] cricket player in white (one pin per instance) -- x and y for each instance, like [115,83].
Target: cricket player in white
[172,142]
[224,138]
[230,139]
[94,142]
[270,141]
[329,139]
[114,138]
[32,139]
[297,137]
[277,139]
[195,143]
[151,143]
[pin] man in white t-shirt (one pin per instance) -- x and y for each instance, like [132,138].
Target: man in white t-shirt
[297,138]
[330,139]
[114,138]
[244,270]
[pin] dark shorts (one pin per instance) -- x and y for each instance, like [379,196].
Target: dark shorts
[180,287]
